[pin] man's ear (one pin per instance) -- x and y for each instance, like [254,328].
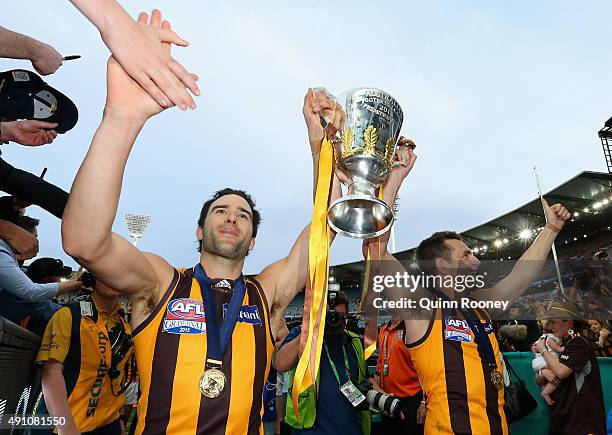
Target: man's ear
[441,266]
[199,233]
[252,244]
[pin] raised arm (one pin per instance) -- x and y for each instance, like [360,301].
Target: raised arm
[284,279]
[87,224]
[528,267]
[45,59]
[152,68]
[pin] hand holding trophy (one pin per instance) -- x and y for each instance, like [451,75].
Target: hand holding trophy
[363,126]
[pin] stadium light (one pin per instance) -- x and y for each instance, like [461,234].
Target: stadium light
[576,214]
[586,209]
[525,234]
[505,241]
[137,224]
[485,247]
[497,243]
[597,205]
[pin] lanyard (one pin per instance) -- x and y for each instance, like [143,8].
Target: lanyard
[217,338]
[333,366]
[480,334]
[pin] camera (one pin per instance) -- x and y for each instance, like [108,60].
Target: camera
[88,280]
[121,343]
[335,322]
[381,402]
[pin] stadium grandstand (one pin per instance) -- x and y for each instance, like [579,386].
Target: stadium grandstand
[588,196]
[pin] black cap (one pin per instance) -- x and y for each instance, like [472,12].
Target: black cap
[43,268]
[24,95]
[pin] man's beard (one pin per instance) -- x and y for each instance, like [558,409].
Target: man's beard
[212,245]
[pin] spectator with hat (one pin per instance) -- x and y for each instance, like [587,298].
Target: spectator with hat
[578,403]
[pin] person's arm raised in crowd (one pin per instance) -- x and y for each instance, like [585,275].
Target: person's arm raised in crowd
[45,59]
[23,243]
[87,223]
[153,68]
[285,278]
[56,396]
[288,355]
[32,189]
[528,267]
[14,281]
[29,132]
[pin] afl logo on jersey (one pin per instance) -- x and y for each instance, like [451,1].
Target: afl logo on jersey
[185,316]
[457,329]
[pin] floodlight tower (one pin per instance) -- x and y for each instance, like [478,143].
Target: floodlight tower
[137,224]
[605,134]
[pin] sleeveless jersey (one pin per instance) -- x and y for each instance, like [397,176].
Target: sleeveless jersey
[460,396]
[171,354]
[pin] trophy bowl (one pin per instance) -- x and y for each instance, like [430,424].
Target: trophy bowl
[364,150]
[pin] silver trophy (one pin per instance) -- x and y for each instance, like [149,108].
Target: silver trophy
[364,148]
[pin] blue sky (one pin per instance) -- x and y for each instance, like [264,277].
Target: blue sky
[488,90]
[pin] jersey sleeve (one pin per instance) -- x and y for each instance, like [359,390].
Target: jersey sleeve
[576,354]
[55,342]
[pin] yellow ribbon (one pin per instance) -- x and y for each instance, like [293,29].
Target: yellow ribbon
[318,256]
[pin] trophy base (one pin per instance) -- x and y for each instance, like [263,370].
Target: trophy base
[360,216]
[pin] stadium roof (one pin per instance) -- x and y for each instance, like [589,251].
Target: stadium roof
[588,196]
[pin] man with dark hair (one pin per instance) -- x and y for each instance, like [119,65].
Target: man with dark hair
[229,191]
[454,349]
[196,376]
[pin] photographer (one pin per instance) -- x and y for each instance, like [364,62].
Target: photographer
[342,361]
[395,375]
[86,353]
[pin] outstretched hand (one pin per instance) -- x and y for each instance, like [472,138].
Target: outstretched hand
[29,132]
[127,97]
[148,63]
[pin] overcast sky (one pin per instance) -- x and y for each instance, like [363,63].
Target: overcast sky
[488,89]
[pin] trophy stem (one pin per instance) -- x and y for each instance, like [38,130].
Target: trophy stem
[361,186]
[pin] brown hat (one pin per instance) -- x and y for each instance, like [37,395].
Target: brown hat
[563,310]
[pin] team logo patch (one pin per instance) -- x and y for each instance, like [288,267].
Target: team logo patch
[185,316]
[20,76]
[457,330]
[248,314]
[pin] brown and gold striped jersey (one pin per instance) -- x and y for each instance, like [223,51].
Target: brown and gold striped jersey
[461,398]
[171,355]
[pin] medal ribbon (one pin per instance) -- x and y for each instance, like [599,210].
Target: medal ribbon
[315,300]
[480,334]
[217,338]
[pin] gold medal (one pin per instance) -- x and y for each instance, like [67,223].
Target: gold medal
[497,379]
[212,383]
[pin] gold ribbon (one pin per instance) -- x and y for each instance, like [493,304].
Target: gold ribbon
[315,301]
